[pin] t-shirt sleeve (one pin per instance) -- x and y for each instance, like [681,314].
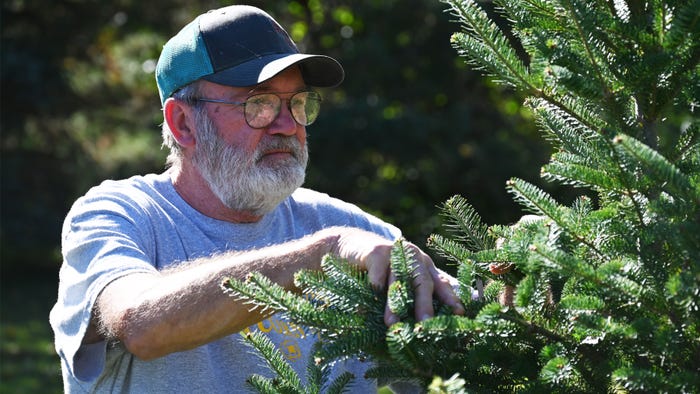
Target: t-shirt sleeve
[103,238]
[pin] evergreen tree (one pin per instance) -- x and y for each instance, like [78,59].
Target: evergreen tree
[599,295]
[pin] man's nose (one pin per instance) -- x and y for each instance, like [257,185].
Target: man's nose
[285,123]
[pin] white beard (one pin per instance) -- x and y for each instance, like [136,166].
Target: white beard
[243,182]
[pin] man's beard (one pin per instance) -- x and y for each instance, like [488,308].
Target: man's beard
[242,181]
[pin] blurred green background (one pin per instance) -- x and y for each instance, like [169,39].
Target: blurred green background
[410,126]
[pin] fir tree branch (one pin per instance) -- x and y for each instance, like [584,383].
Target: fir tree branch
[584,39]
[339,285]
[571,268]
[544,105]
[545,205]
[449,248]
[402,260]
[626,286]
[262,384]
[316,376]
[688,142]
[475,20]
[487,45]
[260,291]
[685,27]
[537,6]
[465,224]
[472,16]
[341,384]
[578,175]
[274,361]
[665,172]
[565,131]
[513,316]
[399,339]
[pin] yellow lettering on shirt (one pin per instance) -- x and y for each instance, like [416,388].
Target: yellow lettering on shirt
[289,347]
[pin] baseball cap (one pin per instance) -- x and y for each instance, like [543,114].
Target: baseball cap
[237,46]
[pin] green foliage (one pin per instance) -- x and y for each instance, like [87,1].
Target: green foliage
[28,361]
[605,288]
[286,380]
[350,322]
[408,350]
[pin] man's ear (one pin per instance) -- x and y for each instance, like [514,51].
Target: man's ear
[180,119]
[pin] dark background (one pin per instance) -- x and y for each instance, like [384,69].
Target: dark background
[410,127]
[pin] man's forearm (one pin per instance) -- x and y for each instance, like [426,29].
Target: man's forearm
[157,314]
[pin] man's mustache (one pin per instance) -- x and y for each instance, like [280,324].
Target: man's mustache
[284,144]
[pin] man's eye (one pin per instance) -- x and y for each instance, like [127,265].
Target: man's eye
[258,101]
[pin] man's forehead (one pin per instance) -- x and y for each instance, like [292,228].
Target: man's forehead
[288,80]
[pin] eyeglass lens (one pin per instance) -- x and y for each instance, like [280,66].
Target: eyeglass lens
[262,109]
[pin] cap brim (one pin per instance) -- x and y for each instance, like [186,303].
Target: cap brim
[317,70]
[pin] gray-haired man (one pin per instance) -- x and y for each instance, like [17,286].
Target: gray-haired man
[139,307]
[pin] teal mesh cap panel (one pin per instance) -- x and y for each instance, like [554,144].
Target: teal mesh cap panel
[184,59]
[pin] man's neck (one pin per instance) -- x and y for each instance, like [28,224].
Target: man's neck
[192,187]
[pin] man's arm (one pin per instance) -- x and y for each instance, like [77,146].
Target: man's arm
[157,314]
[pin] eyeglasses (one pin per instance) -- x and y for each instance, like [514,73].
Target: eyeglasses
[261,110]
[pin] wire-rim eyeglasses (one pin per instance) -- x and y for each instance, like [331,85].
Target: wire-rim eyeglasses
[260,110]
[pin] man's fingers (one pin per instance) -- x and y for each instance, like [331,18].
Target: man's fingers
[423,287]
[444,290]
[373,254]
[423,293]
[429,283]
[378,270]
[442,285]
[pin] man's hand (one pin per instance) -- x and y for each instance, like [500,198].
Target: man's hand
[372,253]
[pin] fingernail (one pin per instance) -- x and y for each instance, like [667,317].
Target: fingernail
[392,320]
[425,316]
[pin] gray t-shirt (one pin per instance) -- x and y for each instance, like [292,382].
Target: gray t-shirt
[142,224]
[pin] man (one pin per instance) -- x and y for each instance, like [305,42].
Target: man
[140,307]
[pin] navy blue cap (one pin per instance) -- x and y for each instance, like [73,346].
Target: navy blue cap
[237,46]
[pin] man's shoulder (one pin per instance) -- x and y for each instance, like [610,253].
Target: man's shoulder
[312,198]
[136,183]
[303,194]
[136,192]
